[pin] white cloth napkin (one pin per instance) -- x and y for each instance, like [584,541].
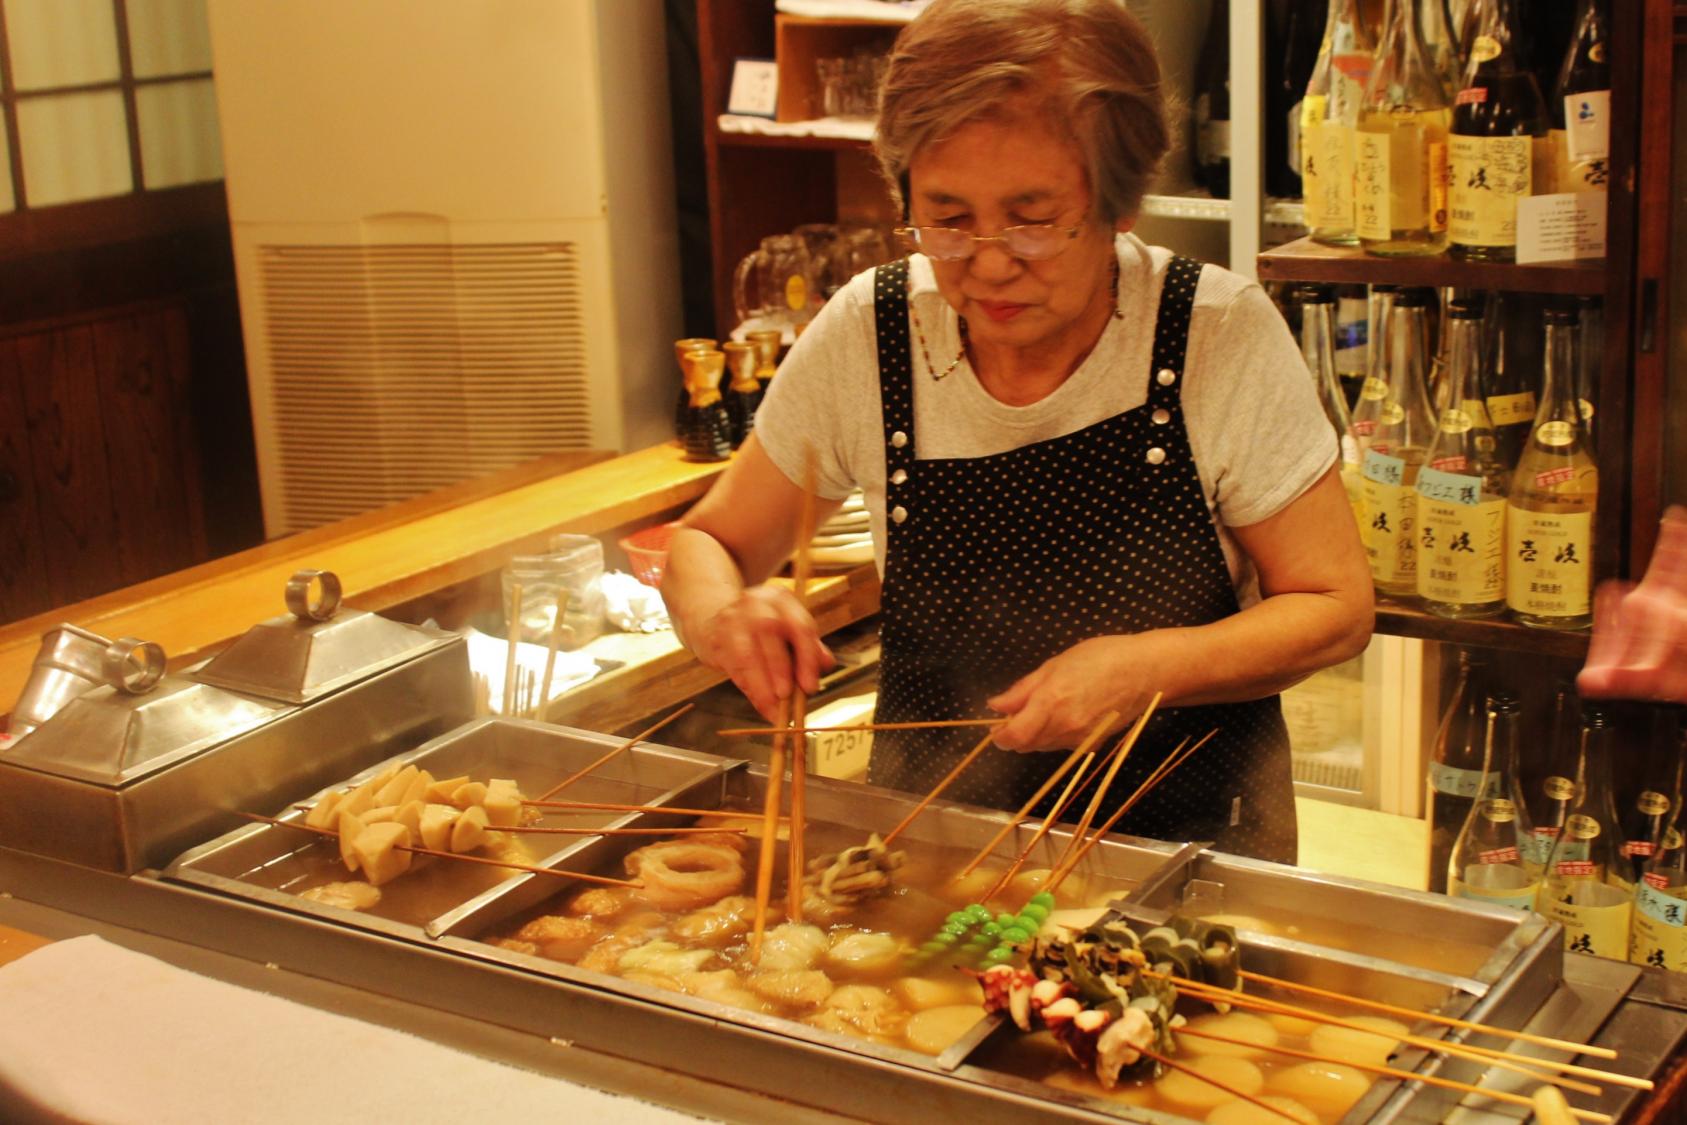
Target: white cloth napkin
[108,1036]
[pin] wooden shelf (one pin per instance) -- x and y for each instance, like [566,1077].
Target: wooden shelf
[1406,621]
[1305,260]
[777,140]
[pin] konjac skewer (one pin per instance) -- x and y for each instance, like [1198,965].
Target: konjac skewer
[621,749]
[1389,1072]
[575,875]
[1449,1021]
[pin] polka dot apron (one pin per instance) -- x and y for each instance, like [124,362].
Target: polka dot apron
[996,564]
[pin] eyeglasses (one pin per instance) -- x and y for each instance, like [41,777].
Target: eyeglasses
[1032,243]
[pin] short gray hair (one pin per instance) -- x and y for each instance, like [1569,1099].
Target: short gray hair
[1090,63]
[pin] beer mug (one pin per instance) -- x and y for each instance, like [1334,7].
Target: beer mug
[775,284]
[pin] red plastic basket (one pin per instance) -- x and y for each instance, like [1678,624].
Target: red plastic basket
[647,552]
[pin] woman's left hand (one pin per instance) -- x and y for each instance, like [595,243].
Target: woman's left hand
[1058,704]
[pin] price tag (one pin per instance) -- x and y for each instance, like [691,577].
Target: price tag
[755,88]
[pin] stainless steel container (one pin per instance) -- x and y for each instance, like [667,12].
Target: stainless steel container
[67,664]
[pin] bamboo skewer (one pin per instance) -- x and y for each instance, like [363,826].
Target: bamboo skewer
[770,835]
[515,639]
[577,876]
[609,806]
[1521,1064]
[960,767]
[1119,755]
[541,830]
[1173,1064]
[551,646]
[1450,1021]
[625,746]
[1042,791]
[1080,778]
[934,724]
[1393,1072]
[1161,772]
[796,860]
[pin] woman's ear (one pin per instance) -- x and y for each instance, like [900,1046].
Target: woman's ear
[1124,224]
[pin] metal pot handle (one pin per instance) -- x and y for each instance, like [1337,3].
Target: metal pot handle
[132,665]
[299,599]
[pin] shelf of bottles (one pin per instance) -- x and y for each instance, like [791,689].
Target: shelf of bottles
[1306,260]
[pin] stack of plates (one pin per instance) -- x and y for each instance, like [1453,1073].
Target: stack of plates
[845,540]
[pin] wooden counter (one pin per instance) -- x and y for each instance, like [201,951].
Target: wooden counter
[383,558]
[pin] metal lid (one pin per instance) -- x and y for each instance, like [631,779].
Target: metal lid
[316,647]
[138,723]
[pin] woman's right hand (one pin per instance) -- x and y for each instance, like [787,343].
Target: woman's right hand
[766,643]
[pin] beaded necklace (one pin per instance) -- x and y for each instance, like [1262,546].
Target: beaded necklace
[919,329]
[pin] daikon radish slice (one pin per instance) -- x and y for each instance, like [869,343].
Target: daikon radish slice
[436,826]
[1190,1095]
[392,793]
[1240,1112]
[1345,1044]
[1069,1077]
[1293,1025]
[934,1029]
[321,814]
[350,825]
[971,887]
[379,852]
[1231,1025]
[919,993]
[1327,1089]
[469,832]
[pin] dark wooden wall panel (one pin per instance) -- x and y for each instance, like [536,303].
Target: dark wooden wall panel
[23,564]
[72,477]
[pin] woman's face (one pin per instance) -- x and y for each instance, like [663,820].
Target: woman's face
[1012,171]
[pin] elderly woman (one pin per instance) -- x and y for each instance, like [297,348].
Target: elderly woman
[1095,470]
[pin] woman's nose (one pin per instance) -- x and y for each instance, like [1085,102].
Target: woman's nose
[991,261]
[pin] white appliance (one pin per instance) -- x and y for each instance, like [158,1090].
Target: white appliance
[454,235]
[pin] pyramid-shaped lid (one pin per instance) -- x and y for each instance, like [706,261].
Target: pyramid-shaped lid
[138,723]
[316,647]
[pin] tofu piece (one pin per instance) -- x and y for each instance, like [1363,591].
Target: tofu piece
[442,789]
[436,826]
[469,794]
[321,814]
[380,853]
[418,788]
[392,793]
[470,830]
[350,826]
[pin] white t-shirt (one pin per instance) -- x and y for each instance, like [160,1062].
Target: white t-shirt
[1257,430]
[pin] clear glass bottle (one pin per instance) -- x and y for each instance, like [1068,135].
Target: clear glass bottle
[1455,778]
[1554,495]
[1318,347]
[1400,193]
[1658,802]
[1211,116]
[1499,124]
[1659,934]
[1439,41]
[1509,386]
[1300,30]
[1582,888]
[1329,114]
[1549,799]
[1590,362]
[1373,392]
[1580,106]
[1399,438]
[1462,486]
[1488,863]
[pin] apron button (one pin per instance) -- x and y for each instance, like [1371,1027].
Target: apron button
[1156,455]
[899,439]
[898,514]
[1161,417]
[1166,377]
[900,476]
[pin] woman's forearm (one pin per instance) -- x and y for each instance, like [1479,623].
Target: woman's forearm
[700,578]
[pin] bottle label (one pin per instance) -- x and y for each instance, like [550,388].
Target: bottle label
[1652,803]
[1439,174]
[1451,781]
[1639,847]
[1390,522]
[1557,788]
[1454,464]
[1489,175]
[1548,559]
[1499,855]
[1602,929]
[1454,420]
[1460,543]
[1294,140]
[1566,175]
[1478,411]
[1587,126]
[1519,898]
[1582,827]
[1509,410]
[1659,937]
[1349,74]
[1326,170]
[1555,434]
[796,292]
[1372,179]
[1537,847]
[1485,48]
[1373,389]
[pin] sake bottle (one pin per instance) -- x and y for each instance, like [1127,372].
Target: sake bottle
[1318,347]
[1462,487]
[1329,114]
[1399,442]
[1580,106]
[1211,117]
[1554,494]
[1487,861]
[1440,43]
[1582,887]
[1456,767]
[1498,116]
[1550,798]
[1655,807]
[1508,389]
[1590,362]
[1373,391]
[1659,934]
[1400,193]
